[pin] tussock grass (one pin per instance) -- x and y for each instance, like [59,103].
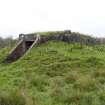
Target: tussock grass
[55,73]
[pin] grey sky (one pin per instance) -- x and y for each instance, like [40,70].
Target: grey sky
[25,16]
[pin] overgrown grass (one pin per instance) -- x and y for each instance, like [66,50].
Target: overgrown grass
[54,73]
[50,33]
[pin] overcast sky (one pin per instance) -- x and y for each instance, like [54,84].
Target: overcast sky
[25,16]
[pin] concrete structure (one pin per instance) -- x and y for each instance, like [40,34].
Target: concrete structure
[27,41]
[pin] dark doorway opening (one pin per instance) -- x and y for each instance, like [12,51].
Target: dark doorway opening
[28,44]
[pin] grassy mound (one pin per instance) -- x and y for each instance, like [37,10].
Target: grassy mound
[54,73]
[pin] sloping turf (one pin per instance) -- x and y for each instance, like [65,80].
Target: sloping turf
[57,73]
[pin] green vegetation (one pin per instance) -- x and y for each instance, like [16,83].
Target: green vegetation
[50,33]
[9,41]
[54,73]
[71,37]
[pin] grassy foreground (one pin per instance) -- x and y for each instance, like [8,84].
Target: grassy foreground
[54,73]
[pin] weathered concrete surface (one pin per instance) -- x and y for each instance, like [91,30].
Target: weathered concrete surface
[15,53]
[29,40]
[22,47]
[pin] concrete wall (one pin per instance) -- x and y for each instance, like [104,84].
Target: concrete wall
[16,53]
